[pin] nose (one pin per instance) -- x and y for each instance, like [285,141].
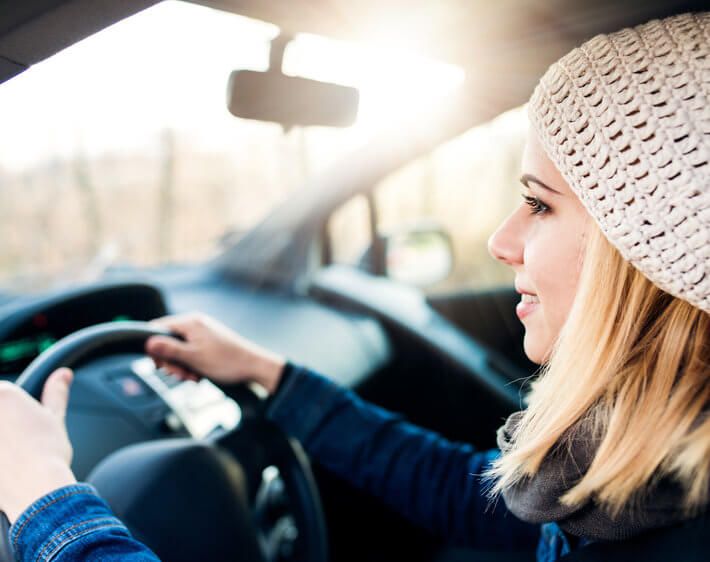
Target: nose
[506,244]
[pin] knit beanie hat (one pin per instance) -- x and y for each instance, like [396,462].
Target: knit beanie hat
[626,120]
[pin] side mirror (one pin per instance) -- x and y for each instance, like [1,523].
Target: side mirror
[419,256]
[290,100]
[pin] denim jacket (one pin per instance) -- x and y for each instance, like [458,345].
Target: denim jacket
[435,483]
[74,523]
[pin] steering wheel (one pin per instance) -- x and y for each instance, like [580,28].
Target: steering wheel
[190,499]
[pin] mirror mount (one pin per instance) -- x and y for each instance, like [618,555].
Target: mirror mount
[278,48]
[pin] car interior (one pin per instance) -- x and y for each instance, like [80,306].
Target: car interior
[387,321]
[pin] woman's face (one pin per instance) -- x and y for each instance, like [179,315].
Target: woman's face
[542,240]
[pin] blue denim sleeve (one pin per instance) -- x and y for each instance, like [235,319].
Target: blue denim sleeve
[435,483]
[74,523]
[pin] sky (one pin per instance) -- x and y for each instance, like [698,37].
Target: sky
[168,67]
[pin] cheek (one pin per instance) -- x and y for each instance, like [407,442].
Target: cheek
[552,262]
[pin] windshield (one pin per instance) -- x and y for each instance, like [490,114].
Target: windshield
[120,149]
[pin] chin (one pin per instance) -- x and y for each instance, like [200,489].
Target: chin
[535,350]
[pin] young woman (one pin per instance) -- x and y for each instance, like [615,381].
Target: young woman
[611,252]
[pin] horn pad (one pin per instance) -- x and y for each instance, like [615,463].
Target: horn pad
[184,499]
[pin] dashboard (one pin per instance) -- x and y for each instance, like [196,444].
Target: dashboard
[121,399]
[118,399]
[27,328]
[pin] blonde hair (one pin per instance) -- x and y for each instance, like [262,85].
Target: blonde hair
[634,362]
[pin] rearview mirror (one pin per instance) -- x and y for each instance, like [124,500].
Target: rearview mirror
[290,100]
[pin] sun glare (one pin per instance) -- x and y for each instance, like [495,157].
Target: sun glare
[392,83]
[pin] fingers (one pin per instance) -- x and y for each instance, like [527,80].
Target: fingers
[179,371]
[179,323]
[167,352]
[166,348]
[55,394]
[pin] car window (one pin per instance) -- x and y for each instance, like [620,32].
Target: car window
[466,187]
[121,150]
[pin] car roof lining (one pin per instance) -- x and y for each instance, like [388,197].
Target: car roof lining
[506,28]
[496,32]
[32,30]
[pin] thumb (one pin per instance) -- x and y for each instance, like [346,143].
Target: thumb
[55,394]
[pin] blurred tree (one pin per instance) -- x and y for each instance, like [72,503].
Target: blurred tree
[89,200]
[166,196]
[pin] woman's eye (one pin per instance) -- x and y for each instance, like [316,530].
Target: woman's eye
[537,207]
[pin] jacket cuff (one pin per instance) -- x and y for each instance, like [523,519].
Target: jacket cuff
[301,401]
[60,518]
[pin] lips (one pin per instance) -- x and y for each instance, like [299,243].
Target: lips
[527,305]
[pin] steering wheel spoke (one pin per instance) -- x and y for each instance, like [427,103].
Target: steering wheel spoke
[271,461]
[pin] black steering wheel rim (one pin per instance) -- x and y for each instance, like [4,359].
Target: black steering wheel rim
[130,337]
[83,344]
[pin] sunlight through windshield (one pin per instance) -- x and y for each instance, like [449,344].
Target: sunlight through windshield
[120,149]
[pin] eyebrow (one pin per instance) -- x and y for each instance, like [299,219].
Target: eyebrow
[525,179]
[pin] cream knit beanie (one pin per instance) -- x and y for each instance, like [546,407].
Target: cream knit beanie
[626,120]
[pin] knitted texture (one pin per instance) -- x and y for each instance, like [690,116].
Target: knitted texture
[626,120]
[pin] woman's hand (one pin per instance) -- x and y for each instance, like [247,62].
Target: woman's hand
[35,453]
[212,350]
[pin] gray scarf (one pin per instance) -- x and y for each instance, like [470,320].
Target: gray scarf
[536,499]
